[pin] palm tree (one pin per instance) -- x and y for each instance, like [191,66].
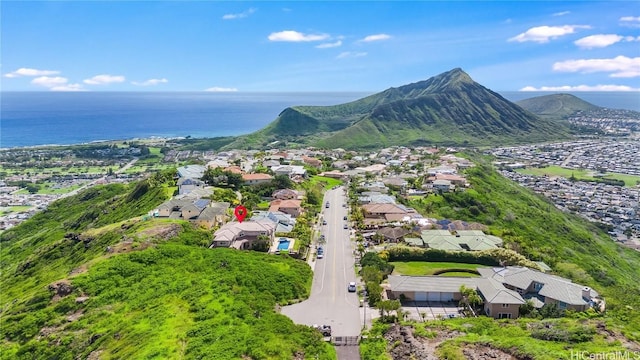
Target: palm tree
[470,298]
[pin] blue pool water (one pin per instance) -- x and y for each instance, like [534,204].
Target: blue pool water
[283,245]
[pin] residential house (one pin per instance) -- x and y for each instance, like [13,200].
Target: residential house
[462,240]
[442,186]
[213,215]
[503,290]
[285,194]
[544,288]
[292,171]
[243,235]
[186,185]
[291,207]
[393,234]
[375,213]
[312,161]
[191,171]
[284,222]
[199,211]
[257,178]
[498,301]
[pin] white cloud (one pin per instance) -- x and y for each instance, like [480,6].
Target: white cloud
[561,13]
[241,15]
[295,36]
[221,89]
[620,66]
[49,81]
[150,82]
[581,88]
[598,41]
[631,21]
[376,37]
[30,72]
[69,87]
[350,54]
[542,34]
[56,83]
[104,79]
[329,45]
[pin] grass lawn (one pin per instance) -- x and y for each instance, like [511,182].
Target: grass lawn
[580,174]
[459,274]
[327,181]
[417,268]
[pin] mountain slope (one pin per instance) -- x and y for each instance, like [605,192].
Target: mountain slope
[90,278]
[556,106]
[448,109]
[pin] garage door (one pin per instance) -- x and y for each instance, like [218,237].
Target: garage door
[433,296]
[421,296]
[446,296]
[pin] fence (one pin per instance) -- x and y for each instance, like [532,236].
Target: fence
[345,340]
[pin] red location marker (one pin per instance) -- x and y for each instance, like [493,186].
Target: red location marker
[240,212]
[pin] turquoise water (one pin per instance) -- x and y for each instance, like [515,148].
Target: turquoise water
[283,245]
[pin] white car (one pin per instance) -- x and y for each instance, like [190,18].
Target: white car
[352,286]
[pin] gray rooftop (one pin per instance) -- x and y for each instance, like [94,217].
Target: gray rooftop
[430,283]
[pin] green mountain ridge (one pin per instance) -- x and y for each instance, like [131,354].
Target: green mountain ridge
[447,109]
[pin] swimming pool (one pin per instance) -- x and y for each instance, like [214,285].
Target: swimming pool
[283,244]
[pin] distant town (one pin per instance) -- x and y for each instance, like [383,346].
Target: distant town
[574,175]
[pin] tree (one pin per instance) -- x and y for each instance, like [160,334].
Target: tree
[470,298]
[282,182]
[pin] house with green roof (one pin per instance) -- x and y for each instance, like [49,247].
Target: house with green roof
[461,240]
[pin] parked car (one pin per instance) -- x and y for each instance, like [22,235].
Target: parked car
[320,253]
[352,286]
[324,222]
[345,226]
[326,205]
[325,330]
[344,217]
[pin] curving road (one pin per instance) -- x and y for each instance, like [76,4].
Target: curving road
[330,303]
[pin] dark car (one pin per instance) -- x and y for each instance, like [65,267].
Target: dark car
[324,222]
[344,218]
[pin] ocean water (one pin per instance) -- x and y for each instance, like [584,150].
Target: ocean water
[42,118]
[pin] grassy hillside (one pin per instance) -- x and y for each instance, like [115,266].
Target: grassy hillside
[531,225]
[556,106]
[90,278]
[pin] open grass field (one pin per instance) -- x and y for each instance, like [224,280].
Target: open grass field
[417,268]
[326,181]
[580,174]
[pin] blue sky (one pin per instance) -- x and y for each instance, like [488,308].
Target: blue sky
[317,45]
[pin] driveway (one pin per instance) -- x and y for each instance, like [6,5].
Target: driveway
[430,310]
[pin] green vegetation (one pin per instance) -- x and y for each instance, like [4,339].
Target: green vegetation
[580,174]
[145,288]
[549,339]
[327,182]
[417,268]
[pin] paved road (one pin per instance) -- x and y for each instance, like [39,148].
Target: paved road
[330,303]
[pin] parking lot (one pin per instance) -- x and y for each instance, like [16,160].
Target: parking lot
[431,310]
